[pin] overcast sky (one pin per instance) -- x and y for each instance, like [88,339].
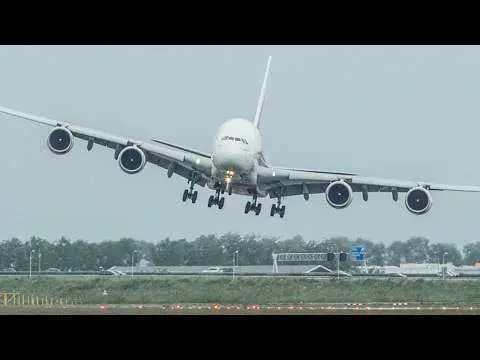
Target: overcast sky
[406,112]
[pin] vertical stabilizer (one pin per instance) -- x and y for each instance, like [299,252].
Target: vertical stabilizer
[261,99]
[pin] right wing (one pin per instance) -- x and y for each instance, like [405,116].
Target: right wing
[338,187]
[290,182]
[181,161]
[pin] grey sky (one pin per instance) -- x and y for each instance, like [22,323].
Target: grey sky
[407,112]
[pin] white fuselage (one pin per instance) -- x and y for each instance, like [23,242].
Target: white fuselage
[237,149]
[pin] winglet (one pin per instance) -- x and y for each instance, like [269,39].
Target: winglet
[261,99]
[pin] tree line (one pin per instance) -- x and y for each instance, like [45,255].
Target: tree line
[211,250]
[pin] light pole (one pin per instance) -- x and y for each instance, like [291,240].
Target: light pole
[443,264]
[338,266]
[39,259]
[30,272]
[235,255]
[133,252]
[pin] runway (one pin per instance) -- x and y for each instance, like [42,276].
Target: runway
[216,309]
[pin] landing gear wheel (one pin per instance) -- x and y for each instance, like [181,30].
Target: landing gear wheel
[258,208]
[189,193]
[273,210]
[278,208]
[216,200]
[253,206]
[230,190]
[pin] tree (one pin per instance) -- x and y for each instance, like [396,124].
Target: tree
[418,250]
[63,251]
[452,254]
[472,253]
[397,253]
[212,250]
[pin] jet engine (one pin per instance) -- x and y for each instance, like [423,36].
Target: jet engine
[418,200]
[60,140]
[132,159]
[339,194]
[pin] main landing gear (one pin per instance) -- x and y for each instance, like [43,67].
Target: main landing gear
[216,200]
[257,208]
[278,208]
[189,193]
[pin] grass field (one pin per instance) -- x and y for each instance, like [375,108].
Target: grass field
[244,291]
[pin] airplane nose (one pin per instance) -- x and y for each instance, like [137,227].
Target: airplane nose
[237,161]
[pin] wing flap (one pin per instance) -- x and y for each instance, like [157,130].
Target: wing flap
[446,187]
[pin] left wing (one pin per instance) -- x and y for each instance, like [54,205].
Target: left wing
[338,186]
[183,148]
[182,161]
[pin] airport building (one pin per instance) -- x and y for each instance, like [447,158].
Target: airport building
[291,263]
[404,270]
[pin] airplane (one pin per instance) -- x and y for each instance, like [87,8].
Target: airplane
[237,165]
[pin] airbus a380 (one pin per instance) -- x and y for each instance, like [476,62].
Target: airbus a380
[237,166]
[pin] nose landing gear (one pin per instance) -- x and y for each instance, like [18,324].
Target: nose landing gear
[228,188]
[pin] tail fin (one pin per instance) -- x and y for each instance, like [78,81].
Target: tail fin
[261,99]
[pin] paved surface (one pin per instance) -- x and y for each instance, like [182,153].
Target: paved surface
[212,309]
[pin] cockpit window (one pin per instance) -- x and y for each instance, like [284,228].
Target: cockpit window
[231,138]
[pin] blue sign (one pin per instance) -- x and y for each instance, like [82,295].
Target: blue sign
[358,252]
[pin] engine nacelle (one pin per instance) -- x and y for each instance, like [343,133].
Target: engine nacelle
[339,194]
[418,200]
[60,140]
[132,159]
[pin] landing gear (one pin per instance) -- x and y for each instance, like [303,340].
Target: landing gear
[278,208]
[253,206]
[189,193]
[216,200]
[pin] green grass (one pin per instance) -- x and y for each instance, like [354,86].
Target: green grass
[160,290]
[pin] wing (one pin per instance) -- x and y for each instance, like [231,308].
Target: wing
[176,159]
[183,148]
[313,171]
[280,181]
